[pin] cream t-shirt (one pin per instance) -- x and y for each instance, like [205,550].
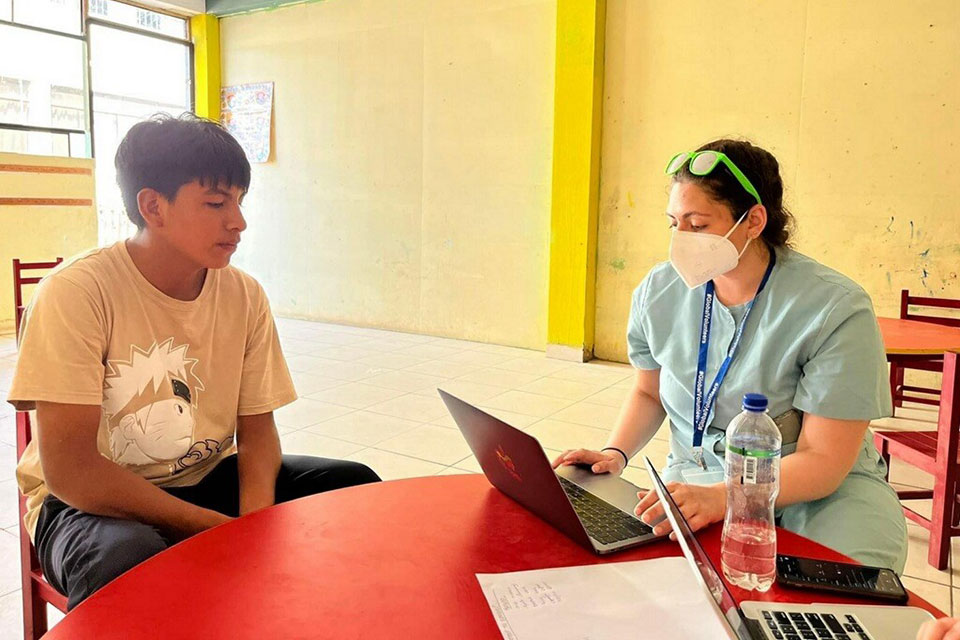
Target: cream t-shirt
[171,376]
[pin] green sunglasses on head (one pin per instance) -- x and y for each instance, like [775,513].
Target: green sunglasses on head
[703,162]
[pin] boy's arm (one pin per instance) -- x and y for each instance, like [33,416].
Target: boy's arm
[258,461]
[76,473]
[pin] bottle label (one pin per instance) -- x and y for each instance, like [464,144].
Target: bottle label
[755,467]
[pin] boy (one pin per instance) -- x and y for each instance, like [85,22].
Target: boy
[144,361]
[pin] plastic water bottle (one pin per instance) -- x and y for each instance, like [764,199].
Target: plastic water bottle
[749,548]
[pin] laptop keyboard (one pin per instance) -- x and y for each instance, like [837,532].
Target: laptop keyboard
[603,521]
[814,626]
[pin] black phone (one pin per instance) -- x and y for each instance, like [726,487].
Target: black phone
[840,577]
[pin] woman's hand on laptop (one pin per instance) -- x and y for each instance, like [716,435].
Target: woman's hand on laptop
[942,629]
[598,461]
[701,505]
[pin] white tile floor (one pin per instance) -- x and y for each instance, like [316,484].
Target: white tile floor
[369,395]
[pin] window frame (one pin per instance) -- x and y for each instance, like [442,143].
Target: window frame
[84,36]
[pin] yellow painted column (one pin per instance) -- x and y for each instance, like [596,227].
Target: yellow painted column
[578,106]
[205,32]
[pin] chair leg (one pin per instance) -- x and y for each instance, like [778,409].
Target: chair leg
[34,608]
[34,613]
[941,521]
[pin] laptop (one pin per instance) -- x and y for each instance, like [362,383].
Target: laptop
[755,620]
[594,510]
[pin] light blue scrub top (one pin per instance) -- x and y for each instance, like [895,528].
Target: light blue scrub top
[812,343]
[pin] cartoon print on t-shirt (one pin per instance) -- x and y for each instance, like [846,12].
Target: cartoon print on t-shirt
[202,450]
[150,403]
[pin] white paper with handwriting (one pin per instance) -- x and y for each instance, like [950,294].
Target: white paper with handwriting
[657,599]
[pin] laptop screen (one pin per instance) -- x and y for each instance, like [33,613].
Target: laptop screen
[699,558]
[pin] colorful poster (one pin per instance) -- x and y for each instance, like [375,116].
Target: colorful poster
[246,110]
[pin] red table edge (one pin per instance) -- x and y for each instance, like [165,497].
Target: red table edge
[739,595]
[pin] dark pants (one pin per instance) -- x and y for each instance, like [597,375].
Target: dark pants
[80,552]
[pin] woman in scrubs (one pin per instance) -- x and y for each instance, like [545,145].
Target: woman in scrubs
[737,311]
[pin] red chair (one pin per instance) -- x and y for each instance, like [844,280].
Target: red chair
[19,282]
[898,389]
[37,592]
[934,452]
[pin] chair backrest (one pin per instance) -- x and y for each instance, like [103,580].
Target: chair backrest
[907,301]
[20,281]
[24,435]
[24,432]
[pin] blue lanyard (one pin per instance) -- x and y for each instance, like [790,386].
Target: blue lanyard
[701,404]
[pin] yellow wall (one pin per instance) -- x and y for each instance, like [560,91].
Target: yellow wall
[409,186]
[40,233]
[859,100]
[578,105]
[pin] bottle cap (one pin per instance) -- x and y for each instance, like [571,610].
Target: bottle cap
[755,402]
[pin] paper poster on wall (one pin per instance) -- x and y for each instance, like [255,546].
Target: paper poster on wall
[246,110]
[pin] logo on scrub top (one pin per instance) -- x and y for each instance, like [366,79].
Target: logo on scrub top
[508,464]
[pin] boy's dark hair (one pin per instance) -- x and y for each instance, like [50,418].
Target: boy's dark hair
[164,153]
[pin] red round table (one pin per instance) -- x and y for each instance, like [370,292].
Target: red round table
[387,560]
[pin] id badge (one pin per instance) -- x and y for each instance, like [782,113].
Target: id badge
[696,475]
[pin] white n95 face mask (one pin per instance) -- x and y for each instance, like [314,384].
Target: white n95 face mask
[700,257]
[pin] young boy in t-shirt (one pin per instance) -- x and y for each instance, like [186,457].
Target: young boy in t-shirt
[155,369]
